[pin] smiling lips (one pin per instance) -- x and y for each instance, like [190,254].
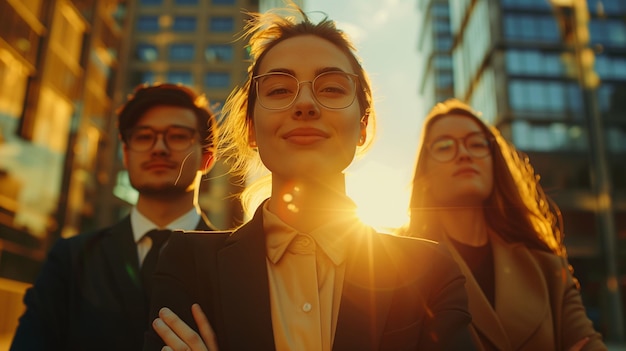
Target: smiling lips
[305,136]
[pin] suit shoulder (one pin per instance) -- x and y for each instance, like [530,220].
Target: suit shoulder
[200,237]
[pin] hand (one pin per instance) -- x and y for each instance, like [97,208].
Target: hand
[177,335]
[580,344]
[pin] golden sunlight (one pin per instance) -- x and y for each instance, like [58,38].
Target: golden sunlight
[381,194]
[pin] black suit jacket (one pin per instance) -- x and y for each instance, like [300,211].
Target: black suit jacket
[399,293]
[88,295]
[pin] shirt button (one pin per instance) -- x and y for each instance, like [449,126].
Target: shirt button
[304,241]
[306,307]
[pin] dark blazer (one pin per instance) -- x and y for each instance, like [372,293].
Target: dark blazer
[399,293]
[88,295]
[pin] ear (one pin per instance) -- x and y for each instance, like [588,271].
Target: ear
[208,160]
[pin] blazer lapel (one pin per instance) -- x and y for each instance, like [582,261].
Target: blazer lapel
[519,282]
[484,318]
[366,296]
[120,254]
[245,300]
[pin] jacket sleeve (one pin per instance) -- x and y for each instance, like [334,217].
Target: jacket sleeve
[174,286]
[41,327]
[448,325]
[575,324]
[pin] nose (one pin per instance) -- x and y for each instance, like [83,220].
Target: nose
[305,106]
[462,152]
[159,146]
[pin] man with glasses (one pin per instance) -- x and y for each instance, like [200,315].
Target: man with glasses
[93,290]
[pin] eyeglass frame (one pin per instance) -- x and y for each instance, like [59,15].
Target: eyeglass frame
[353,77]
[129,132]
[489,139]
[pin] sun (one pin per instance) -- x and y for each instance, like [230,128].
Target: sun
[381,193]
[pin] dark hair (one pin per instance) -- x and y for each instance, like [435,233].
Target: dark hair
[518,210]
[266,30]
[146,97]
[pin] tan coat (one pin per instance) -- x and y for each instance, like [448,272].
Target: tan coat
[538,306]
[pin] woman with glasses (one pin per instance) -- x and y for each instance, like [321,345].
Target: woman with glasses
[476,194]
[304,273]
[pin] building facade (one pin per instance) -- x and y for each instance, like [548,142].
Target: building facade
[57,63]
[552,76]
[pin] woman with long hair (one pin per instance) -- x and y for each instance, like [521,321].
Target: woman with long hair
[475,193]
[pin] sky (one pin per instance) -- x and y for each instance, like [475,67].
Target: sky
[385,35]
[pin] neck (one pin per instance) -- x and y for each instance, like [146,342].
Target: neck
[308,204]
[465,225]
[162,211]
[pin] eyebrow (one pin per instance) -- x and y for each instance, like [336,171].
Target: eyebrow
[453,137]
[317,71]
[159,129]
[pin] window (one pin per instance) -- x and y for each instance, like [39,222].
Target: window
[147,24]
[146,52]
[217,80]
[221,24]
[184,24]
[608,32]
[181,77]
[555,136]
[181,52]
[610,67]
[151,2]
[219,53]
[532,62]
[138,78]
[186,2]
[529,4]
[223,2]
[531,28]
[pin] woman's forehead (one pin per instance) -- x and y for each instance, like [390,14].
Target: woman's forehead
[454,124]
[304,54]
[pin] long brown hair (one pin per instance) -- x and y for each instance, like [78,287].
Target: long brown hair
[517,210]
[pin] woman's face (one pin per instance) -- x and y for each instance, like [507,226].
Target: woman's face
[465,178]
[305,139]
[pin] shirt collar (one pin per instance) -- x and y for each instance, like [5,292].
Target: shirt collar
[141,224]
[332,237]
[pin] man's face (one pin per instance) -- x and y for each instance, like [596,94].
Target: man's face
[160,158]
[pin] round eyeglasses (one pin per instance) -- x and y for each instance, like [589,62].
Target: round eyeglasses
[176,138]
[279,90]
[446,148]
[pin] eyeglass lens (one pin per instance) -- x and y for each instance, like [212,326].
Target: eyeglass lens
[334,90]
[446,148]
[176,138]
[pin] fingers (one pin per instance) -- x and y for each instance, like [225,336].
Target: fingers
[580,344]
[176,333]
[206,331]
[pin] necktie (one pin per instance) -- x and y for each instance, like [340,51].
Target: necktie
[159,237]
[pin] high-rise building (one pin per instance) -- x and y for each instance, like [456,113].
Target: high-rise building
[551,74]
